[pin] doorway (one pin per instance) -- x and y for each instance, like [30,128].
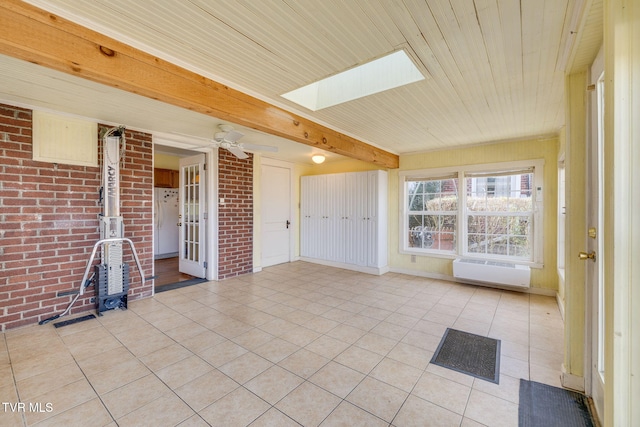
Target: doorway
[167,273]
[180,217]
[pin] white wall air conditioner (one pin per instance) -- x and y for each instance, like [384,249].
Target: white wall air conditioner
[492,272]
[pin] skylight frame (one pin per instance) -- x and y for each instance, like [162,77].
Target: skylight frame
[378,75]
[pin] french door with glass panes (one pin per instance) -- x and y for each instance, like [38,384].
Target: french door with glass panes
[191,220]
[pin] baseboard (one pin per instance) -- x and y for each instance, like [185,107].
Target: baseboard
[426,274]
[257,269]
[378,271]
[543,292]
[560,305]
[446,277]
[572,382]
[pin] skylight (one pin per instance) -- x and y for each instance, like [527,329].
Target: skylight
[381,74]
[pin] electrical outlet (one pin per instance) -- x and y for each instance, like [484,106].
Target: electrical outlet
[92,300]
[413,259]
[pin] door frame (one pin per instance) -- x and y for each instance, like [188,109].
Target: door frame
[257,210]
[211,194]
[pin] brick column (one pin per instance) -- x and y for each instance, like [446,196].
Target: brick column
[235,216]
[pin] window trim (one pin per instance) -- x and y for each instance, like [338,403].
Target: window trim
[461,171]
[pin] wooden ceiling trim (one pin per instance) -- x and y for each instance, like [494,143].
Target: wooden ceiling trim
[37,36]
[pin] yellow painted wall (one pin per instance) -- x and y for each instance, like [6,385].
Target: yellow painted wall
[547,149]
[561,156]
[575,230]
[166,161]
[340,166]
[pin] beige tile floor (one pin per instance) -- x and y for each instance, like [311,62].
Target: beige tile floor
[296,344]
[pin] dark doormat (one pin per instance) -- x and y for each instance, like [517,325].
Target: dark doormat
[178,285]
[72,321]
[470,354]
[548,406]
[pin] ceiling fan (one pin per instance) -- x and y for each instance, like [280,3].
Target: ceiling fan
[228,138]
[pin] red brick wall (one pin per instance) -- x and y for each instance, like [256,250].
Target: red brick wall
[48,216]
[235,216]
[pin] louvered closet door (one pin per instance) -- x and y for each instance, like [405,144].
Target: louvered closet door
[361,240]
[378,186]
[320,217]
[372,218]
[348,219]
[328,218]
[305,216]
[311,217]
[318,193]
[336,185]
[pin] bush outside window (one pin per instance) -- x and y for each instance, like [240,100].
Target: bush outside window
[485,212]
[500,215]
[433,214]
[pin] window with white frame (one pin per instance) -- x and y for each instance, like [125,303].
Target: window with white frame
[432,213]
[499,214]
[482,211]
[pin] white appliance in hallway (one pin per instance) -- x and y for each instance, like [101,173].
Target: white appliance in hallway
[165,225]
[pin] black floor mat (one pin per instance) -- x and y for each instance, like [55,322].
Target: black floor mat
[72,321]
[470,354]
[548,406]
[178,285]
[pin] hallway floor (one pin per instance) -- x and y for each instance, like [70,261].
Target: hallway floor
[167,273]
[294,344]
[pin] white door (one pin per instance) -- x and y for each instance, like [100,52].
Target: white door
[192,216]
[594,250]
[276,215]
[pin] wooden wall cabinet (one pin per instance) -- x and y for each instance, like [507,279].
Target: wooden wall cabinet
[344,220]
[166,178]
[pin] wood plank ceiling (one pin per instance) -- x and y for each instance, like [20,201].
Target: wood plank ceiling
[494,68]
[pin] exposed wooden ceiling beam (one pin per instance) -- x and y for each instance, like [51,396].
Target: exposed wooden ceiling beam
[42,38]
